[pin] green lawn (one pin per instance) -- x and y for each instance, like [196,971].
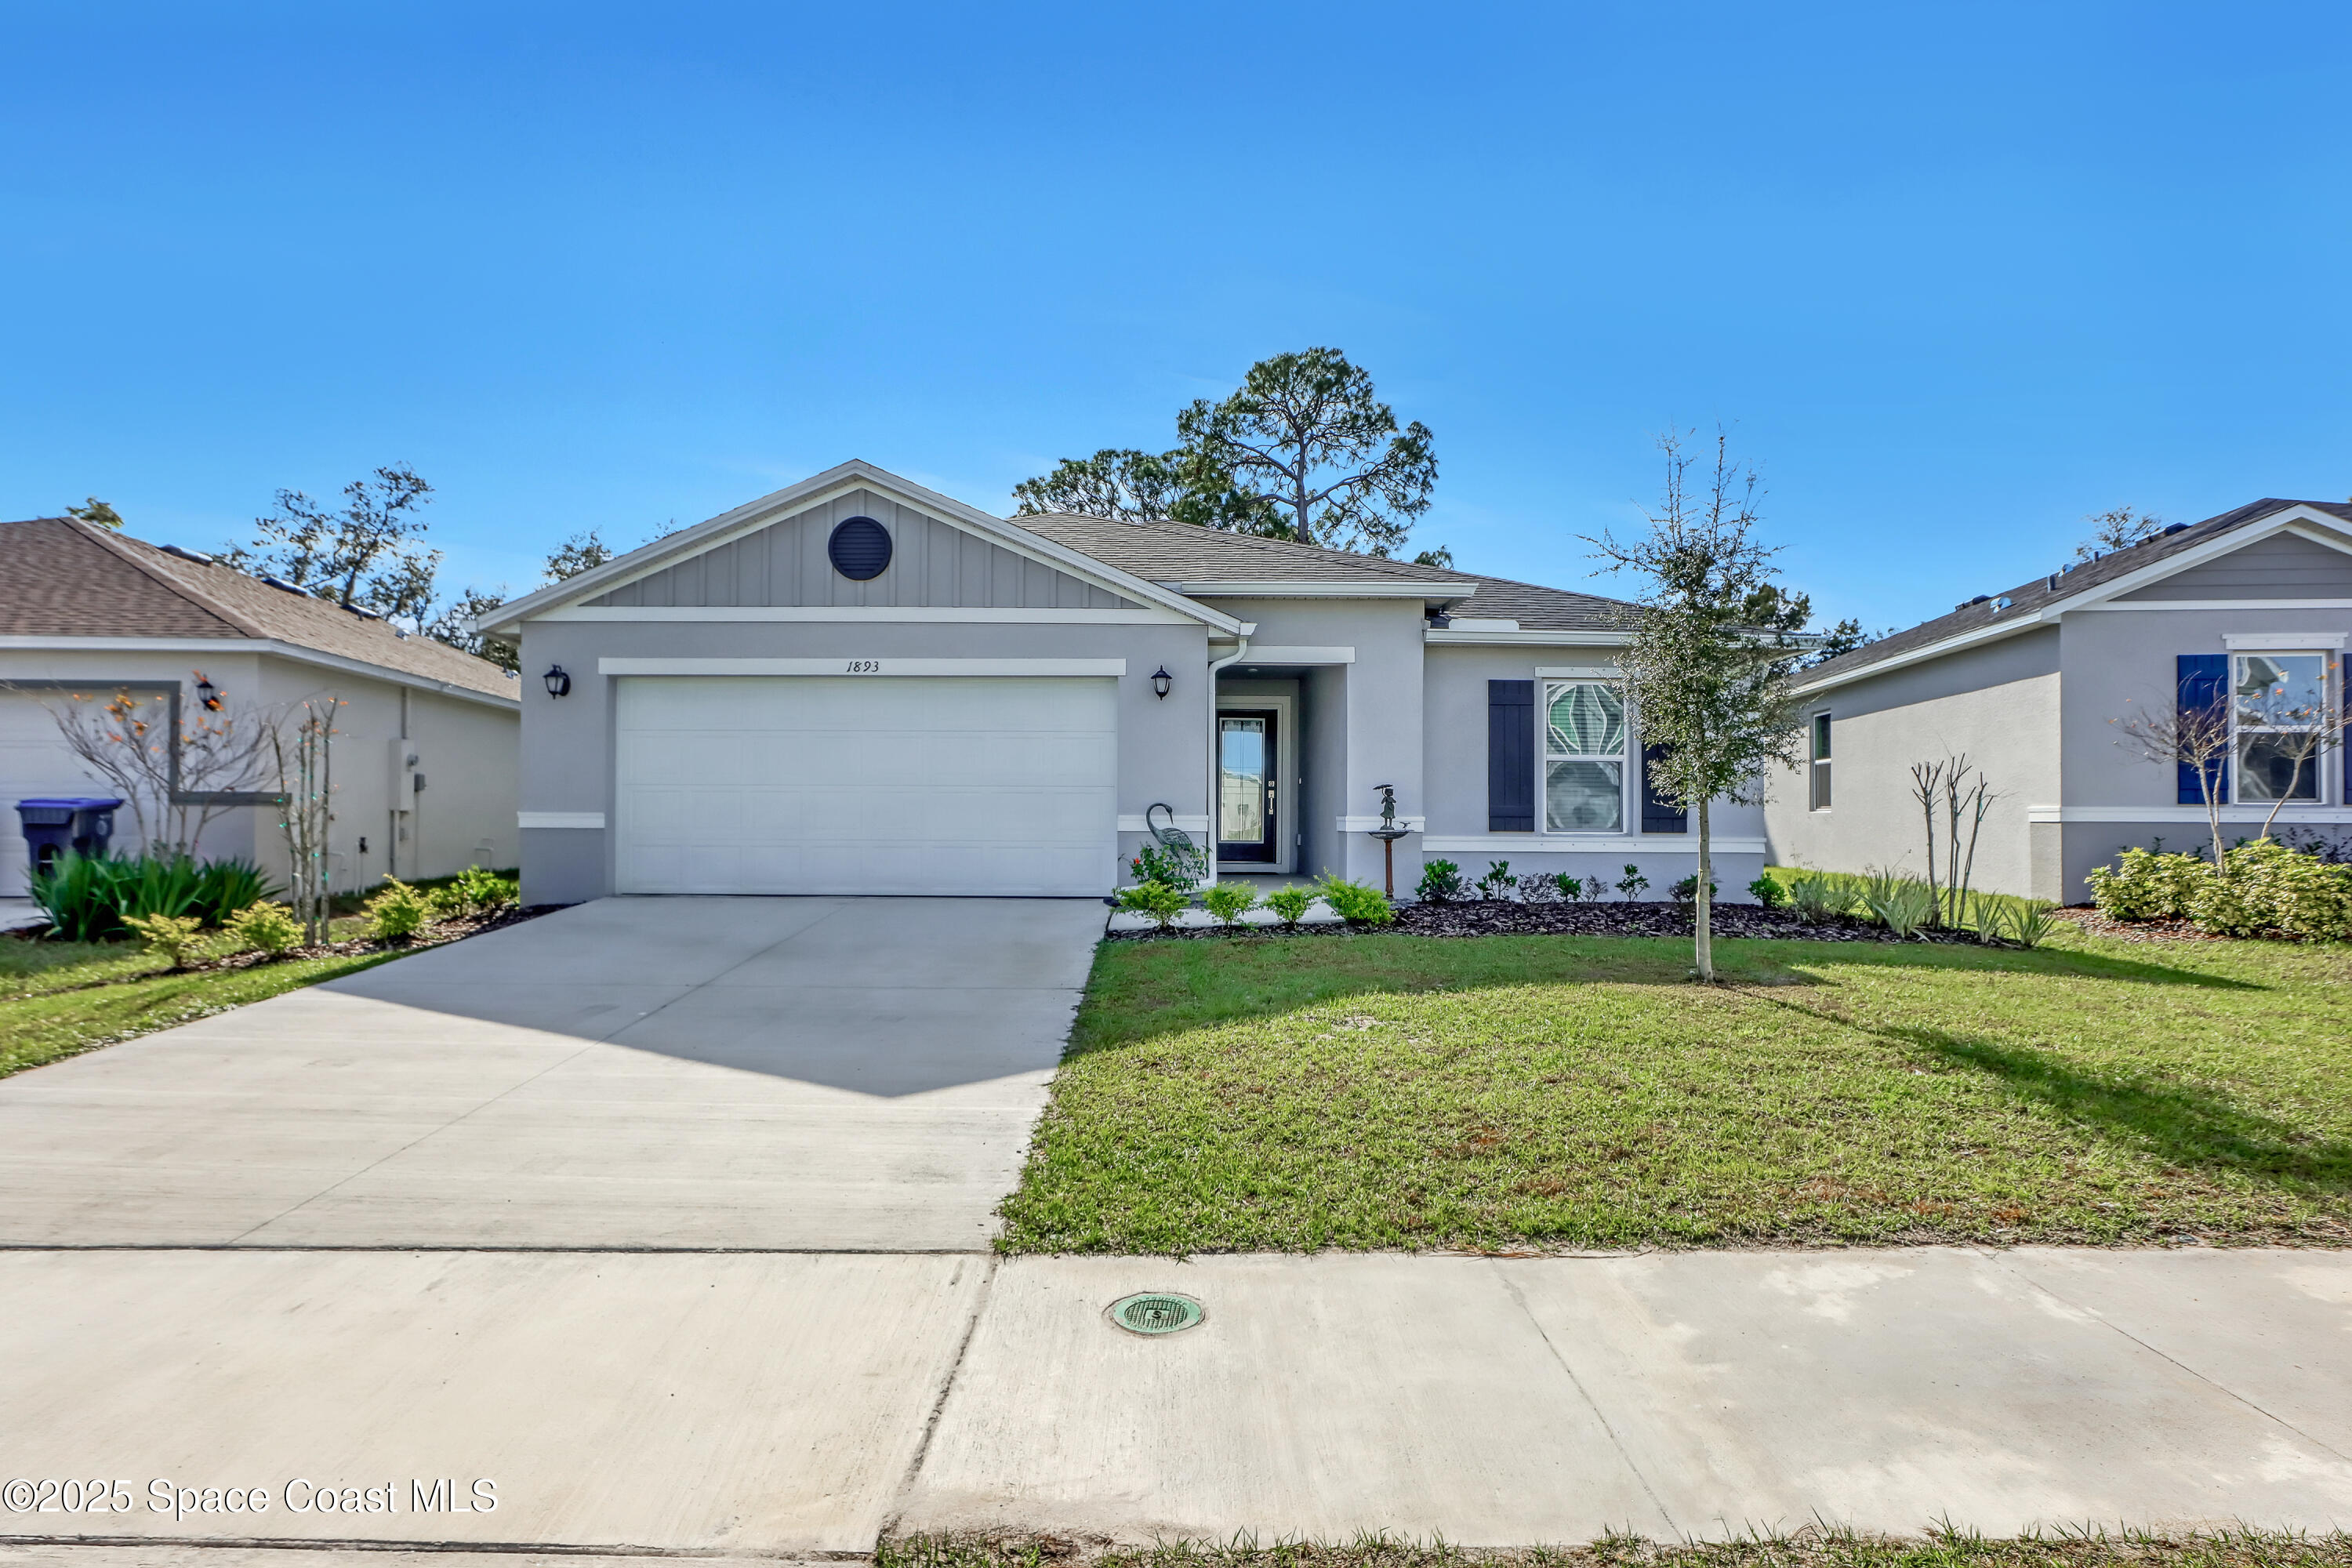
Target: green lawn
[1564,1092]
[1811,1547]
[59,999]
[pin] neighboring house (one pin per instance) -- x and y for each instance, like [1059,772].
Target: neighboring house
[86,613]
[857,685]
[2031,685]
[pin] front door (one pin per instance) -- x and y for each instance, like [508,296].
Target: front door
[1248,786]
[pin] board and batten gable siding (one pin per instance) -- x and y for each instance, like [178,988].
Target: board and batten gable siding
[931,563]
[2283,566]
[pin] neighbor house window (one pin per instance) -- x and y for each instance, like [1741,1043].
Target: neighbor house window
[2278,707]
[1820,768]
[1584,757]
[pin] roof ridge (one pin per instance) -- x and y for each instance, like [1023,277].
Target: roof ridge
[168,579]
[1404,569]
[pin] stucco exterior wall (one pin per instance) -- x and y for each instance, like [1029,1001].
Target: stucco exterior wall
[1998,704]
[567,750]
[465,814]
[467,811]
[1456,677]
[2119,662]
[1380,694]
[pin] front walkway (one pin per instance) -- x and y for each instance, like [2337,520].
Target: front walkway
[830,1074]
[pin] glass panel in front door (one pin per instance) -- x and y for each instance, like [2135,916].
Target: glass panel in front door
[1245,786]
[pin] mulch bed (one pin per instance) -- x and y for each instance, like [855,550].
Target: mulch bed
[1480,916]
[2096,924]
[436,934]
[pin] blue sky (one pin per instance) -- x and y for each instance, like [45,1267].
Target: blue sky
[1955,276]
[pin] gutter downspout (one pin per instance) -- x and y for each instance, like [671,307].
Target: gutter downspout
[1215,665]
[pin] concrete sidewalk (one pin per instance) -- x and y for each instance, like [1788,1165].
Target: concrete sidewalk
[781,1405]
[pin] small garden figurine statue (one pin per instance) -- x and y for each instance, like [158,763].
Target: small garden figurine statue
[1388,833]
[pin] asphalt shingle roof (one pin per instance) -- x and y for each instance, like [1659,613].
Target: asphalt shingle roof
[63,577]
[1182,552]
[2045,591]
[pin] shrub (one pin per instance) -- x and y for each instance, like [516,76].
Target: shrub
[1817,897]
[173,936]
[1767,891]
[1358,903]
[1632,882]
[264,926]
[1178,866]
[1289,904]
[87,900]
[1440,880]
[1229,902]
[1498,883]
[1539,888]
[398,912]
[1161,900]
[478,890]
[2028,922]
[1901,904]
[2267,886]
[1597,888]
[2143,886]
[1686,890]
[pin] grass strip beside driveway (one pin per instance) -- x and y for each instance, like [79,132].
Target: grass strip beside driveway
[1567,1092]
[1808,1548]
[61,999]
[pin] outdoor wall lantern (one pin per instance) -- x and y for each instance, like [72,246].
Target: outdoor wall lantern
[1161,681]
[559,684]
[208,695]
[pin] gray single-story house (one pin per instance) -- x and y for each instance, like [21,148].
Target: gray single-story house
[2034,684]
[422,760]
[857,684]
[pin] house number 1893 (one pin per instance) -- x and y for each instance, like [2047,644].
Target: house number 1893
[864,667]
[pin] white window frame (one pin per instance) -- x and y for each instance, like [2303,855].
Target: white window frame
[2323,765]
[1821,777]
[1545,757]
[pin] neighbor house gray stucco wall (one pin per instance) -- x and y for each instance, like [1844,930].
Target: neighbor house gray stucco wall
[1998,704]
[2041,714]
[2121,662]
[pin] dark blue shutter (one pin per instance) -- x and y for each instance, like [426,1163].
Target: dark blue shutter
[1510,757]
[1659,814]
[2204,687]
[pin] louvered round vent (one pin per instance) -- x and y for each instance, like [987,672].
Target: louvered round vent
[859,549]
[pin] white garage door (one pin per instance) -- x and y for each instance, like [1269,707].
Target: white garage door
[889,784]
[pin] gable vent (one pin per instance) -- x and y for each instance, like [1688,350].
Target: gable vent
[859,549]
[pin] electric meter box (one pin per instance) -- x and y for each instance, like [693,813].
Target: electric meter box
[405,761]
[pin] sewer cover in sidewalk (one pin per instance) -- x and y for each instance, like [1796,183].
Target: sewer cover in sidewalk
[1155,1312]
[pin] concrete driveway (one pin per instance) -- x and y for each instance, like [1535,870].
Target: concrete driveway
[781,1073]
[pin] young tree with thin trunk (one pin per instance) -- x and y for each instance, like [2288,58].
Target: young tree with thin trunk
[1710,689]
[126,739]
[301,747]
[2192,735]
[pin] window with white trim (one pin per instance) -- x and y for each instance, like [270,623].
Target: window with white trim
[1584,757]
[1818,770]
[2278,713]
